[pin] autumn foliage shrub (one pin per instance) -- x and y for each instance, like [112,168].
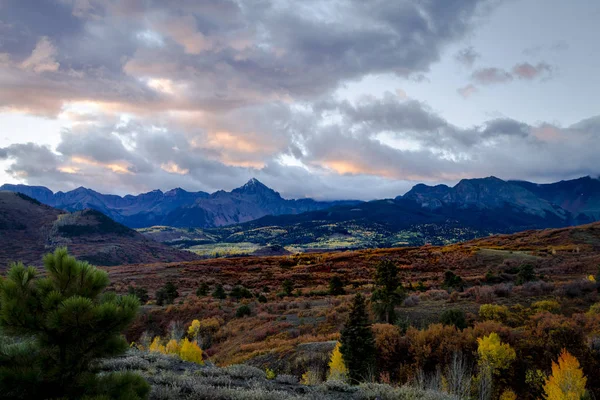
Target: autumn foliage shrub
[389,349]
[551,306]
[493,312]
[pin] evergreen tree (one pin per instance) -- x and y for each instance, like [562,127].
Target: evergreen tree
[526,274]
[453,281]
[56,327]
[288,287]
[388,292]
[139,292]
[336,286]
[240,292]
[202,290]
[219,293]
[357,343]
[454,317]
[167,294]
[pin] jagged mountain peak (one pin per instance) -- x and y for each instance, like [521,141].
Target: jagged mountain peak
[254,186]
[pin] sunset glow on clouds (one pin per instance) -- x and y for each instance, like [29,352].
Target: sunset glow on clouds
[340,99]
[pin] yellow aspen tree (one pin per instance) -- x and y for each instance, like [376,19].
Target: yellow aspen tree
[495,354]
[157,347]
[172,347]
[567,381]
[190,351]
[194,329]
[337,368]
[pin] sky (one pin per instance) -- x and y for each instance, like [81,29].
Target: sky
[330,99]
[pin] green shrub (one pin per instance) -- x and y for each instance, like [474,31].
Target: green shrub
[167,294]
[202,290]
[287,287]
[240,292]
[219,293]
[336,286]
[243,311]
[526,274]
[139,292]
[454,317]
[452,281]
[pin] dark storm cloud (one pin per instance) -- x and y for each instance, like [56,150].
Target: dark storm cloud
[224,54]
[25,21]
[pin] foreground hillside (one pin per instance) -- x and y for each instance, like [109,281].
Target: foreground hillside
[29,229]
[535,289]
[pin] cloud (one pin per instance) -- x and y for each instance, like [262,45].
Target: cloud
[556,47]
[43,57]
[467,57]
[505,126]
[467,91]
[218,55]
[529,72]
[206,94]
[383,142]
[489,76]
[493,75]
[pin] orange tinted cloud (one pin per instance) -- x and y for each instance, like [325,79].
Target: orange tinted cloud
[548,133]
[117,167]
[173,168]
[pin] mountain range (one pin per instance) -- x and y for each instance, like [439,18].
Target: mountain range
[177,207]
[257,217]
[30,229]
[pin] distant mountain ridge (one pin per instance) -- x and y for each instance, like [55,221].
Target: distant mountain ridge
[559,204]
[178,207]
[256,214]
[484,193]
[581,197]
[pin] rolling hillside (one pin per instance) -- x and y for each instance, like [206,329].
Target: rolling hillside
[29,229]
